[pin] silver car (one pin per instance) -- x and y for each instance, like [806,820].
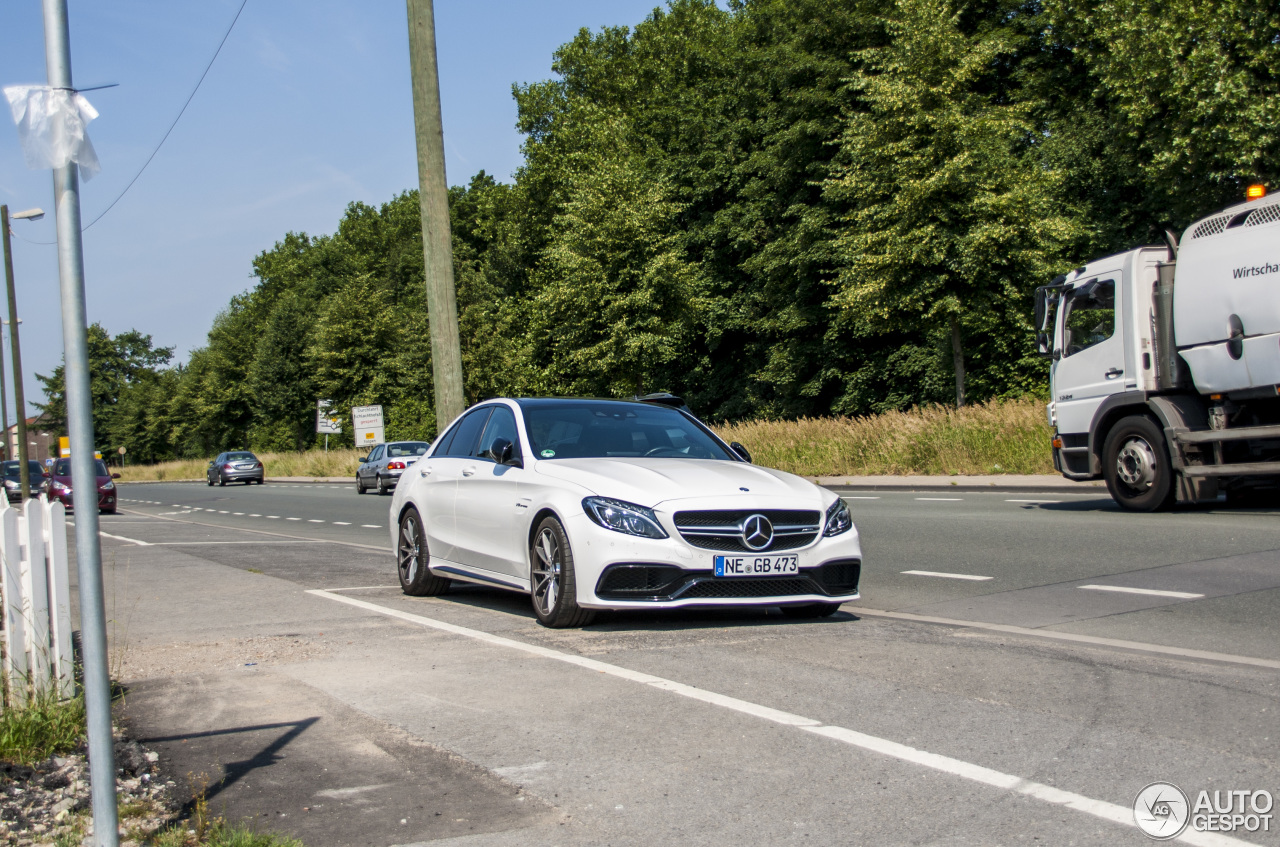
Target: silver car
[382,468]
[235,466]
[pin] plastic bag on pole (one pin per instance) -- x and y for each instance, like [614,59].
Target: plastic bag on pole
[52,125]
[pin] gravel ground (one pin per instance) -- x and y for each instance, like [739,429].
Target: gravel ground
[49,803]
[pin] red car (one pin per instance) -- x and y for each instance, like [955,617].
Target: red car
[60,485]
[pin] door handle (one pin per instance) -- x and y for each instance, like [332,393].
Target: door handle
[424,471]
[1113,373]
[468,471]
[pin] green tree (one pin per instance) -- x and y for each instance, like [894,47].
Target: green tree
[953,215]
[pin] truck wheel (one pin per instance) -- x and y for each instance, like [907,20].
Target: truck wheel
[1135,463]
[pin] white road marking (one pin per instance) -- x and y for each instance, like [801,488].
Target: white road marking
[313,520]
[342,523]
[238,513]
[255,516]
[941,499]
[273,517]
[293,519]
[1120,589]
[1122,815]
[949,575]
[223,512]
[1057,635]
[371,526]
[852,497]
[122,538]
[1033,501]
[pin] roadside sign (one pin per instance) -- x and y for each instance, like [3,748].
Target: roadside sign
[367,422]
[121,451]
[327,423]
[64,446]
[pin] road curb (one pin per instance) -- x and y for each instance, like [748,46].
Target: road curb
[319,480]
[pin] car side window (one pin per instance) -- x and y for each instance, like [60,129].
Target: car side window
[468,434]
[502,424]
[1091,316]
[376,454]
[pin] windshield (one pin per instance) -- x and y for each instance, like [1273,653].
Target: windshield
[63,468]
[402,449]
[595,430]
[12,469]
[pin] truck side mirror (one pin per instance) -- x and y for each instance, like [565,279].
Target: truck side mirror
[1044,343]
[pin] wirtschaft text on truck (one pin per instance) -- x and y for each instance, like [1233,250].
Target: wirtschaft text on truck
[1165,379]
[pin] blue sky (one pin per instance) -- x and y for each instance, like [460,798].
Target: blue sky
[307,108]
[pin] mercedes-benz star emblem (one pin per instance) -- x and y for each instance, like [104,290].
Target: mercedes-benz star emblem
[757,532]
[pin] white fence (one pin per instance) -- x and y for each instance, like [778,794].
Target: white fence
[36,599]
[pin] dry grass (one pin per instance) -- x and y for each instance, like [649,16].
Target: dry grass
[1010,436]
[310,463]
[1006,436]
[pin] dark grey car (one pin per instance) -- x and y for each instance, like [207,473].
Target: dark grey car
[381,469]
[235,466]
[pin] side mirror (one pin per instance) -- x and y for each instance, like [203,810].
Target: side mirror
[1044,343]
[115,476]
[741,451]
[501,451]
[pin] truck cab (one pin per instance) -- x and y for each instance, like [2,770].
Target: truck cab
[1096,327]
[1165,372]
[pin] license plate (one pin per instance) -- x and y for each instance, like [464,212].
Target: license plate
[757,565]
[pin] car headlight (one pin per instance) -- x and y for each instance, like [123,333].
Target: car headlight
[61,488]
[11,483]
[838,518]
[107,486]
[623,517]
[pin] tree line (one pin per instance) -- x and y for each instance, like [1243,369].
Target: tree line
[783,208]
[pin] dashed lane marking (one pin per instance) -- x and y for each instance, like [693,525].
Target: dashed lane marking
[371,526]
[950,575]
[1033,501]
[1122,815]
[1120,589]
[941,499]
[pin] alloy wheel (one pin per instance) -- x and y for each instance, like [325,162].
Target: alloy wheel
[410,552]
[546,571]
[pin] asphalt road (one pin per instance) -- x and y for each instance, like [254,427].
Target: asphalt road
[1019,667]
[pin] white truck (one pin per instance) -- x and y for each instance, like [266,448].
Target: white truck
[1165,379]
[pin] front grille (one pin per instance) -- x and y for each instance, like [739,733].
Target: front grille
[654,582]
[749,587]
[722,529]
[733,543]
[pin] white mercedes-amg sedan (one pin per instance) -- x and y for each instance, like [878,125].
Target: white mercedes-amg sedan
[612,504]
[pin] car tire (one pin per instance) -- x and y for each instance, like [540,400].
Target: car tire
[811,610]
[261,481]
[382,488]
[360,489]
[1136,466]
[209,480]
[553,584]
[412,558]
[222,481]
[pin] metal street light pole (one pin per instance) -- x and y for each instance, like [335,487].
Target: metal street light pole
[75,347]
[4,400]
[19,401]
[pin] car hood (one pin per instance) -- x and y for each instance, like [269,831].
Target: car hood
[66,480]
[649,482]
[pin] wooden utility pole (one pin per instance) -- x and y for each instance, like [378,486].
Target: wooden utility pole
[433,190]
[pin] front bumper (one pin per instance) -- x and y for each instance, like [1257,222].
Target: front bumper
[618,571]
[106,500]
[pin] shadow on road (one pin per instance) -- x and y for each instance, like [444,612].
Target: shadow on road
[233,772]
[657,620]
